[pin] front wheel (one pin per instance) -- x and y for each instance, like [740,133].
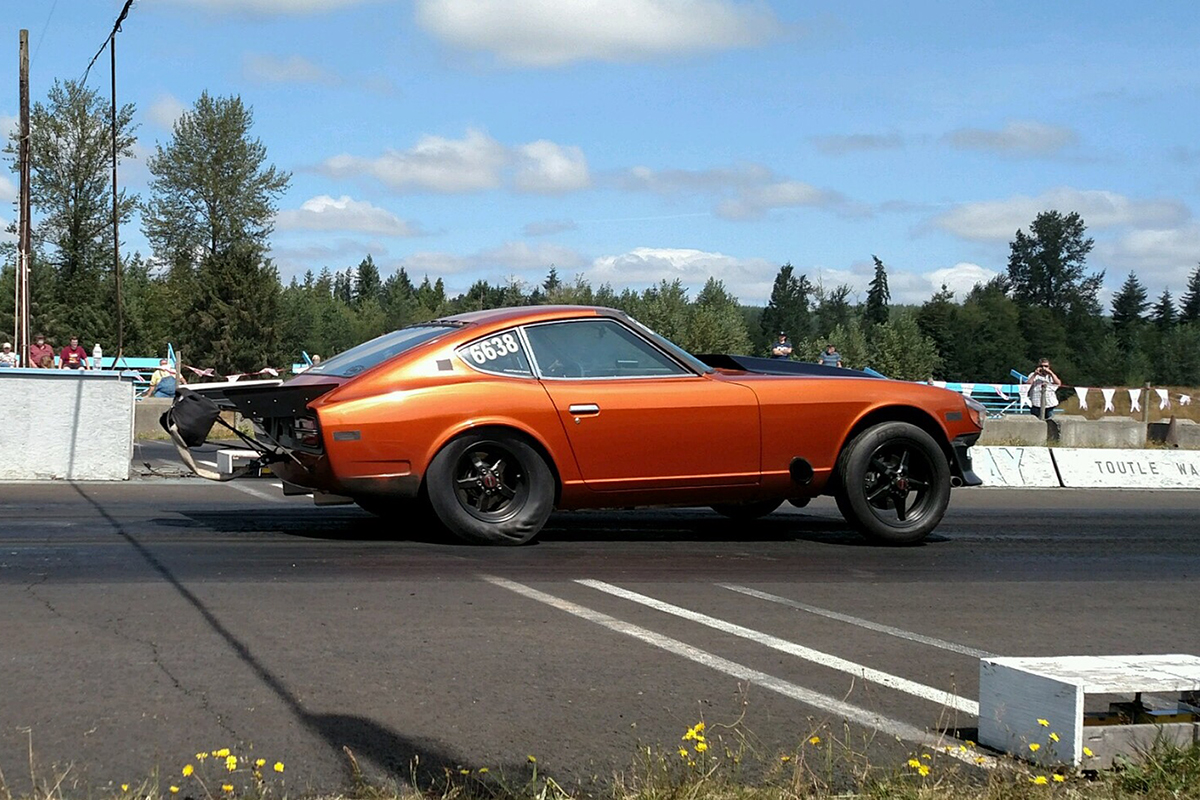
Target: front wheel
[491,488]
[893,483]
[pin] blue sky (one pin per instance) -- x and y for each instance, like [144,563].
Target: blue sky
[634,140]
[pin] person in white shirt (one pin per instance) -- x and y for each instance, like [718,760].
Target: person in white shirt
[7,357]
[1043,383]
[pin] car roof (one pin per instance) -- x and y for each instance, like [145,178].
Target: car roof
[519,315]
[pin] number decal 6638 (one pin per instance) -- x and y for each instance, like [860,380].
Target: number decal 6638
[488,350]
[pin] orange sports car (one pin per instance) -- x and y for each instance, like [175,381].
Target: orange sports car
[493,419]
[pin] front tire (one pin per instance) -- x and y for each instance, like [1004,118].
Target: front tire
[893,483]
[491,488]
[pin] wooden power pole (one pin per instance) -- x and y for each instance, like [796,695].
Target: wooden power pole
[24,229]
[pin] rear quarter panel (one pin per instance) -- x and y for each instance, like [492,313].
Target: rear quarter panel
[812,417]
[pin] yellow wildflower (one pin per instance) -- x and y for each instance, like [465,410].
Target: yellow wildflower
[785,759]
[926,756]
[464,771]
[970,743]
[201,756]
[1059,778]
[923,770]
[124,787]
[1053,736]
[222,753]
[701,747]
[1087,751]
[1040,780]
[260,762]
[683,753]
[912,762]
[174,790]
[531,759]
[1045,723]
[699,726]
[814,740]
[483,770]
[278,766]
[231,763]
[980,760]
[226,787]
[1034,747]
[188,770]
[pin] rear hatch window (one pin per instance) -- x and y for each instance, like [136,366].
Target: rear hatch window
[369,354]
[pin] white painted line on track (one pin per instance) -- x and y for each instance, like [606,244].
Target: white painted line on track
[938,696]
[821,702]
[259,493]
[860,622]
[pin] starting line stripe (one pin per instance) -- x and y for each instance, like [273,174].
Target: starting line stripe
[830,705]
[860,622]
[913,688]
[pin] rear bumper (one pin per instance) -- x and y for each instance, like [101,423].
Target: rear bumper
[962,459]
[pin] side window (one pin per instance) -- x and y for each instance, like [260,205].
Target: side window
[596,349]
[501,353]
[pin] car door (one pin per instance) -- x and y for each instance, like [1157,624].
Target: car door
[638,419]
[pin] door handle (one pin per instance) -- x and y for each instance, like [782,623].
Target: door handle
[584,409]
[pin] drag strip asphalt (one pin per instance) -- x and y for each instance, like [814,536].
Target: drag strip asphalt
[143,622]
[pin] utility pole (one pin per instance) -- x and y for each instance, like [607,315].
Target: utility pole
[112,49]
[24,237]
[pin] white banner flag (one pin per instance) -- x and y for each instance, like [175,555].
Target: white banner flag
[1023,391]
[967,388]
[1185,399]
[1135,399]
[1108,394]
[999,391]
[1081,393]
[1164,400]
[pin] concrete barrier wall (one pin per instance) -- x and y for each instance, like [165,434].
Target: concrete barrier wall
[63,424]
[1014,429]
[1086,468]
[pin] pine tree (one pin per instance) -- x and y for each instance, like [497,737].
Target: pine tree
[788,309]
[878,296]
[1045,267]
[1189,306]
[1163,314]
[367,283]
[936,321]
[552,281]
[235,312]
[1129,308]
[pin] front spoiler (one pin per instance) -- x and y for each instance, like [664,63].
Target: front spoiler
[962,457]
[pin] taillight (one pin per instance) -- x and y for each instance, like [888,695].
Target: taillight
[307,433]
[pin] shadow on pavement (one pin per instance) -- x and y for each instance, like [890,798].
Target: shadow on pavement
[376,744]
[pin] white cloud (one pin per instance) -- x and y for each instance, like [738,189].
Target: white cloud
[508,259]
[545,33]
[8,126]
[549,226]
[8,190]
[1015,139]
[324,213]
[263,68]
[748,278]
[755,202]
[273,7]
[960,279]
[998,220]
[717,180]
[165,110]
[544,167]
[474,163]
[857,142]
[1165,256]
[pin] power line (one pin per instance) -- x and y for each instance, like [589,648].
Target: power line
[107,39]
[38,48]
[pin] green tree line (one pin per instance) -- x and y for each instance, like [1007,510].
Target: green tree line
[209,287]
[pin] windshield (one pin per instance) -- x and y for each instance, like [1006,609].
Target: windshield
[369,354]
[671,347]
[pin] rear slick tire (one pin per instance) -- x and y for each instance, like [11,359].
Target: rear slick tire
[893,483]
[491,488]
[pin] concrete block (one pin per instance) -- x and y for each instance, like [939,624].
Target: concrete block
[71,425]
[1014,429]
[1115,432]
[145,417]
[1111,743]
[1181,433]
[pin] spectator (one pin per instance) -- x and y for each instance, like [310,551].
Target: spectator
[830,358]
[7,357]
[164,382]
[1043,384]
[782,348]
[38,349]
[73,356]
[316,359]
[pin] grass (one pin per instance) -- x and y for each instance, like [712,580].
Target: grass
[717,763]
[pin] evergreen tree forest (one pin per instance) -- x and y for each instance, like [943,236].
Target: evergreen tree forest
[209,287]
